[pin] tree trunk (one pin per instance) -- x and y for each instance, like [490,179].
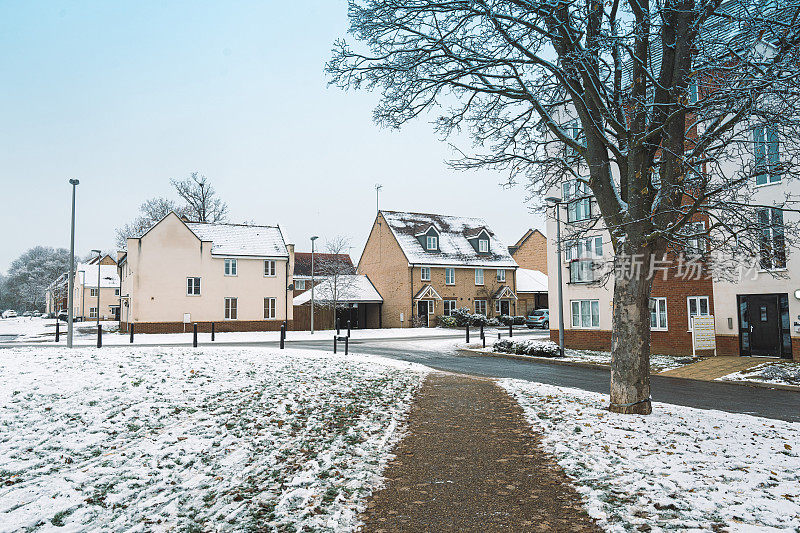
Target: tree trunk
[630,341]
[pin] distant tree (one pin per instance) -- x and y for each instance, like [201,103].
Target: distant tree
[150,212]
[338,274]
[3,292]
[201,199]
[30,275]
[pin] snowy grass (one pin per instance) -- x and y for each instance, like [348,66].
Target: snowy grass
[778,373]
[677,469]
[196,440]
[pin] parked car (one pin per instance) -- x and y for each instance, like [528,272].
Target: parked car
[27,313]
[9,314]
[63,316]
[539,319]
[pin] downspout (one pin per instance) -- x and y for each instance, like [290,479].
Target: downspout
[411,279]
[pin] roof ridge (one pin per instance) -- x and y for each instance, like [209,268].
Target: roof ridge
[431,214]
[234,224]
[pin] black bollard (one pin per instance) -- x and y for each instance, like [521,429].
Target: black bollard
[194,334]
[482,335]
[338,326]
[99,336]
[348,330]
[334,343]
[510,331]
[498,335]
[346,345]
[57,331]
[213,332]
[283,334]
[467,333]
[130,326]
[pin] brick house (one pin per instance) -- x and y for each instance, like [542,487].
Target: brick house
[322,262]
[85,291]
[181,272]
[424,265]
[531,251]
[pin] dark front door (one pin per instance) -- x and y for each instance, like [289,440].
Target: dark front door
[765,330]
[505,307]
[423,311]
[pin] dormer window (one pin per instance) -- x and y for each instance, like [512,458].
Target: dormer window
[483,245]
[432,242]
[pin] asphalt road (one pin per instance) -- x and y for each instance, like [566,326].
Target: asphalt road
[770,403]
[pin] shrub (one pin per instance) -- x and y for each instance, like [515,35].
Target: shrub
[446,321]
[492,322]
[506,320]
[519,320]
[464,316]
[534,348]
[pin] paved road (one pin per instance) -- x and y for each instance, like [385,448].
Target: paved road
[770,403]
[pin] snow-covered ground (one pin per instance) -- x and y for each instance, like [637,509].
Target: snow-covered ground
[203,439]
[678,469]
[26,330]
[778,373]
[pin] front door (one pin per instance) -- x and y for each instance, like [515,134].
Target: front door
[765,330]
[505,307]
[423,311]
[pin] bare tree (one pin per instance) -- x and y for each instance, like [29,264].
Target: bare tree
[337,271]
[647,111]
[31,273]
[150,212]
[201,199]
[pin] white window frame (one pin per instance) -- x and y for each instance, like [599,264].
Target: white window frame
[582,304]
[231,267]
[449,276]
[479,276]
[697,299]
[432,242]
[300,284]
[501,275]
[660,302]
[196,284]
[696,245]
[93,293]
[116,292]
[483,246]
[771,234]
[231,308]
[425,273]
[766,155]
[483,305]
[270,308]
[270,268]
[449,305]
[92,312]
[581,209]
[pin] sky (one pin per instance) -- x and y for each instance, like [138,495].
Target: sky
[125,96]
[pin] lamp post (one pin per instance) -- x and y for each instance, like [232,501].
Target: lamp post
[556,201]
[314,238]
[98,252]
[71,282]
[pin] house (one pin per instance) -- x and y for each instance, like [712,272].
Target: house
[323,263]
[85,291]
[531,291]
[350,298]
[179,272]
[530,252]
[424,265]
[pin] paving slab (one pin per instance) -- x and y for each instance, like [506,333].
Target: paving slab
[711,368]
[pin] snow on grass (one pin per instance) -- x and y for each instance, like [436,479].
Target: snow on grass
[171,438]
[778,373]
[677,469]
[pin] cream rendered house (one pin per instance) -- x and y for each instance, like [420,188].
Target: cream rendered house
[179,273]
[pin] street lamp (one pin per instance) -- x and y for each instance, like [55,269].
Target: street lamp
[98,252]
[71,282]
[314,238]
[556,201]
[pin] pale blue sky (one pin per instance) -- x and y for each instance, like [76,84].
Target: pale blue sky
[126,95]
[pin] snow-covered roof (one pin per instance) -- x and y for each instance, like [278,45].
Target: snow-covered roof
[454,245]
[241,240]
[531,280]
[351,289]
[109,277]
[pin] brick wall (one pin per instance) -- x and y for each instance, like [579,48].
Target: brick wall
[205,327]
[532,253]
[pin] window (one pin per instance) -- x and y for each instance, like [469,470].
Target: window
[658,313]
[93,293]
[449,276]
[766,152]
[693,90]
[193,286]
[269,307]
[590,247]
[483,245]
[501,276]
[300,285]
[432,242]
[697,305]
[116,292]
[579,202]
[773,244]
[425,273]
[449,307]
[480,307]
[581,271]
[478,276]
[695,245]
[92,312]
[231,312]
[585,313]
[230,267]
[576,132]
[269,268]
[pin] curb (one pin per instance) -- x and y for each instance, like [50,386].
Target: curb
[547,361]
